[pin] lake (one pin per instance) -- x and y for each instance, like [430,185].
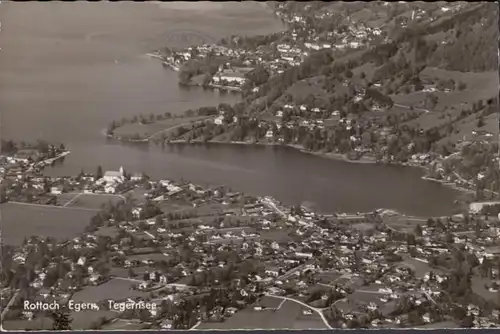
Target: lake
[68,69]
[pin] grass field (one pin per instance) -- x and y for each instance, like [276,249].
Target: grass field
[20,220]
[146,130]
[88,201]
[41,323]
[479,289]
[466,126]
[420,268]
[86,319]
[289,316]
[115,289]
[122,324]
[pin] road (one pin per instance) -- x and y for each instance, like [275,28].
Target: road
[195,326]
[317,310]
[9,305]
[291,271]
[72,200]
[371,291]
[273,206]
[414,108]
[134,280]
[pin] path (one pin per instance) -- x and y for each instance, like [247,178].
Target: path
[192,122]
[97,194]
[273,206]
[291,271]
[195,325]
[9,305]
[414,108]
[72,200]
[54,206]
[314,309]
[371,291]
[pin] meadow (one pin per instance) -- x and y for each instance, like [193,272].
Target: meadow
[87,201]
[287,316]
[114,289]
[158,127]
[26,220]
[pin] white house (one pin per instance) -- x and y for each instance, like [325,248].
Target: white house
[56,190]
[110,188]
[136,177]
[219,120]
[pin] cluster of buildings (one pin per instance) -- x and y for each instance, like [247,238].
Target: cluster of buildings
[364,264]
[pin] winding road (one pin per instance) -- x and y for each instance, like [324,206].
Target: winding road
[314,309]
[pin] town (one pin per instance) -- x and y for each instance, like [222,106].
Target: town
[209,258]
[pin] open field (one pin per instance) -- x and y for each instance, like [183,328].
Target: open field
[401,223]
[328,277]
[172,206]
[137,194]
[86,319]
[123,272]
[122,324]
[439,325]
[479,289]
[147,130]
[108,231]
[465,127]
[115,289]
[24,220]
[88,201]
[482,85]
[289,316]
[42,323]
[420,268]
[479,86]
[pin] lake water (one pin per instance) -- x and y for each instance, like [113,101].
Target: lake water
[67,70]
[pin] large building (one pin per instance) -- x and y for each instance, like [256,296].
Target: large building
[230,77]
[114,176]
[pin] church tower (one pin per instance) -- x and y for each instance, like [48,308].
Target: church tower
[122,171]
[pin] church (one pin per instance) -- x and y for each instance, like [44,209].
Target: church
[114,176]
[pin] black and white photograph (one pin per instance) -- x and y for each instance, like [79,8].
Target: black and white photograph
[250,165]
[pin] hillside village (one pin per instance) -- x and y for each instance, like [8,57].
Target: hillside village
[351,86]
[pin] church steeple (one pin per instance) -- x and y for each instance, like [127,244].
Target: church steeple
[122,171]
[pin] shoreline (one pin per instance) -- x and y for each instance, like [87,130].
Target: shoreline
[176,68]
[448,184]
[323,155]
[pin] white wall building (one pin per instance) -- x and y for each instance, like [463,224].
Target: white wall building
[114,176]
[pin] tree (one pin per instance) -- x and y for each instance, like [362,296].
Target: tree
[99,173]
[418,230]
[61,321]
[480,122]
[159,220]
